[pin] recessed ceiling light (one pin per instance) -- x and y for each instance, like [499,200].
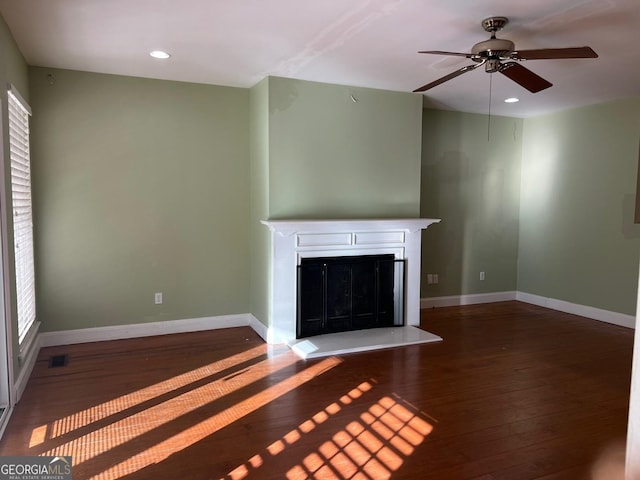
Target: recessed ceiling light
[159,54]
[512,100]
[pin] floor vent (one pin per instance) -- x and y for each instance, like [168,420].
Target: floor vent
[58,361]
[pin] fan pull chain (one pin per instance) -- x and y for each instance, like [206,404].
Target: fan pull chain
[489,120]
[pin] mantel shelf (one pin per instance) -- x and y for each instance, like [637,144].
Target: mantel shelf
[289,227]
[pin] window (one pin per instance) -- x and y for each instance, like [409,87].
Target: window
[19,113]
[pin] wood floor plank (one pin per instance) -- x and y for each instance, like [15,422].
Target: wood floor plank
[514,392]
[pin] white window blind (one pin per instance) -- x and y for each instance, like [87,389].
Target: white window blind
[19,113]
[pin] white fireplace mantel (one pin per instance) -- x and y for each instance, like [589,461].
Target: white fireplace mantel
[289,227]
[293,240]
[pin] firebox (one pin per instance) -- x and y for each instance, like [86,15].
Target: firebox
[338,294]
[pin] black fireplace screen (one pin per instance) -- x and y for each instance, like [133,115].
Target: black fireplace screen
[337,294]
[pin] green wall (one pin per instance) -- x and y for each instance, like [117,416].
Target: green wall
[328,151]
[545,206]
[141,186]
[145,185]
[471,180]
[260,241]
[333,157]
[578,242]
[13,70]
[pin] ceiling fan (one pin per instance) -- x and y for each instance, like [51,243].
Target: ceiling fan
[500,55]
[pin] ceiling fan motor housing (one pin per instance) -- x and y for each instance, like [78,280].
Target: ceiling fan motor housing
[492,48]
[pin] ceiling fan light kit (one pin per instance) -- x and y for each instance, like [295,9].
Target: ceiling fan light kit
[500,55]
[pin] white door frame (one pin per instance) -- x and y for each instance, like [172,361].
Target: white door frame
[7,384]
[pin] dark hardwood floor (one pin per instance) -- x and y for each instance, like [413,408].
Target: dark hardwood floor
[513,392]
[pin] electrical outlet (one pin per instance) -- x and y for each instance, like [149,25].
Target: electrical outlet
[482,276]
[435,278]
[429,278]
[158,298]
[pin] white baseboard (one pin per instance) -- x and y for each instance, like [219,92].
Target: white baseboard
[5,415]
[594,313]
[259,327]
[607,316]
[454,300]
[28,361]
[118,332]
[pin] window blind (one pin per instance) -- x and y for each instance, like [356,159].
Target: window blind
[19,113]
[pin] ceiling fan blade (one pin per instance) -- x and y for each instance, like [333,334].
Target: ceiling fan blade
[554,53]
[458,72]
[440,52]
[524,77]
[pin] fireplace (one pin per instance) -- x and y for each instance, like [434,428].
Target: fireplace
[297,244]
[340,294]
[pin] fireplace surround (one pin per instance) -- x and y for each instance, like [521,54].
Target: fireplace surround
[295,240]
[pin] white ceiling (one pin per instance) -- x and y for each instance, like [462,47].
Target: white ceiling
[367,43]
